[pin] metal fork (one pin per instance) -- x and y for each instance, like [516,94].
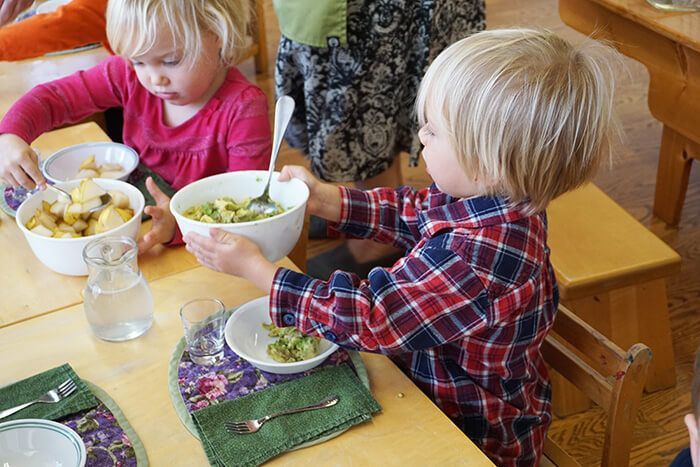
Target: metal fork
[251,426]
[51,396]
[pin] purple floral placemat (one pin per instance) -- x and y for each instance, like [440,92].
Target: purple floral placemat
[106,442]
[201,386]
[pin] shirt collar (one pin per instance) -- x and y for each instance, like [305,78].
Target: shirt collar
[445,212]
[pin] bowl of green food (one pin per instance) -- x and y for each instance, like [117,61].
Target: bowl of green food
[222,201]
[251,335]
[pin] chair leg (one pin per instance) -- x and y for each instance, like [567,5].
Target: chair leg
[260,36]
[672,176]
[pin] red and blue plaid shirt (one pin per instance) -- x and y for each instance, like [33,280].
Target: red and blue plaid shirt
[463,313]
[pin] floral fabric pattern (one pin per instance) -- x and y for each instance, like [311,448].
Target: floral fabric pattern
[354,104]
[105,441]
[202,386]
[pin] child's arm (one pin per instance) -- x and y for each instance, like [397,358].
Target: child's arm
[50,105]
[77,23]
[249,139]
[68,100]
[424,301]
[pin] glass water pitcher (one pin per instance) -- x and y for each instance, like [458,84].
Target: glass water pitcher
[117,300]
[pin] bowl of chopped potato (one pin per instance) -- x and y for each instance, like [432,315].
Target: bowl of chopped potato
[58,229]
[222,201]
[91,160]
[250,333]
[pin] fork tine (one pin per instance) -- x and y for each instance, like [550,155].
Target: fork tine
[65,392]
[65,383]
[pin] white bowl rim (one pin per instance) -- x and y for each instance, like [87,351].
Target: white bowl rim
[25,230]
[68,431]
[54,156]
[180,216]
[249,304]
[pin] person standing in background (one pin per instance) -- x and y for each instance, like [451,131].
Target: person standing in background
[353,67]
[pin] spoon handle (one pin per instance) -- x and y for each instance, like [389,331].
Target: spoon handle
[283,113]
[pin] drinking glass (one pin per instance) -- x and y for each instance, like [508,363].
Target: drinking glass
[203,320]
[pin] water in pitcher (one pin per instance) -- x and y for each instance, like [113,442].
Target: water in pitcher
[120,309]
[118,302]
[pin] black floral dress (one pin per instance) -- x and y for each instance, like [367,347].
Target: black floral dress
[354,109]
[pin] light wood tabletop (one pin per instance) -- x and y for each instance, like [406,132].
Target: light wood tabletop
[668,44]
[31,289]
[19,77]
[410,430]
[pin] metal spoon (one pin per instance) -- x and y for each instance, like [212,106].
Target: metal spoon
[105,198]
[283,113]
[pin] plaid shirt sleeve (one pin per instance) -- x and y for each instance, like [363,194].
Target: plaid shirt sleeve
[384,214]
[424,301]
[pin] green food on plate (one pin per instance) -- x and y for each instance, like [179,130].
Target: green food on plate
[291,345]
[226,210]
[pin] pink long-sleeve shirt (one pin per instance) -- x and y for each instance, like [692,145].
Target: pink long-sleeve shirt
[231,132]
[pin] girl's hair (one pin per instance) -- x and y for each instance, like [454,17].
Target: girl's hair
[528,114]
[133,26]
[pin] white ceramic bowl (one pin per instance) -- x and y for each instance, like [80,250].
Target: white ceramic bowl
[248,339]
[64,164]
[64,255]
[38,443]
[276,236]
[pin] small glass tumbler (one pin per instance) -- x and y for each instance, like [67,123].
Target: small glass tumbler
[203,320]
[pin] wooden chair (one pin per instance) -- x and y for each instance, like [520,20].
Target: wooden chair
[612,273]
[258,46]
[612,378]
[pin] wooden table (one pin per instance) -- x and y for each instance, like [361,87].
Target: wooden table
[28,287]
[19,77]
[668,44]
[410,430]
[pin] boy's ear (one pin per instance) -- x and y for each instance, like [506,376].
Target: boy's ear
[692,424]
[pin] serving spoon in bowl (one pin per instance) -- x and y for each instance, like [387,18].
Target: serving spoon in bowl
[283,113]
[105,198]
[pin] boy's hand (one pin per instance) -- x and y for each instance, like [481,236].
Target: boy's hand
[19,164]
[10,9]
[324,198]
[232,254]
[164,224]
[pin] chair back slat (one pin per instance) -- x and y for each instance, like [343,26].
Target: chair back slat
[612,378]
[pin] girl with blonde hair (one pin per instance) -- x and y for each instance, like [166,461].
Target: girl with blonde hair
[188,111]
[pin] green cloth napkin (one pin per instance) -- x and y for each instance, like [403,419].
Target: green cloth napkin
[34,386]
[138,179]
[355,406]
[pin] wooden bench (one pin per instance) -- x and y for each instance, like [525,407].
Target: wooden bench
[612,377]
[611,272]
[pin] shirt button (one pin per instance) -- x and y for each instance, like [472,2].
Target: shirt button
[330,336]
[288,319]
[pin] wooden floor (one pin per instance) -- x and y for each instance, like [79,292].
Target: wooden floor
[659,430]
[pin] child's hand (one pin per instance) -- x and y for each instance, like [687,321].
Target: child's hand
[232,254]
[324,198]
[164,225]
[19,163]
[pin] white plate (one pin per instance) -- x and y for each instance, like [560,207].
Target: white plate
[40,443]
[248,339]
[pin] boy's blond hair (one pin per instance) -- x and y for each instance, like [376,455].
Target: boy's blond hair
[529,115]
[134,25]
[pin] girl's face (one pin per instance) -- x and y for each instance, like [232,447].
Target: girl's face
[162,72]
[442,163]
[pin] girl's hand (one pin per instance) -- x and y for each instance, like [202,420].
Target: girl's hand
[19,164]
[164,224]
[324,198]
[232,254]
